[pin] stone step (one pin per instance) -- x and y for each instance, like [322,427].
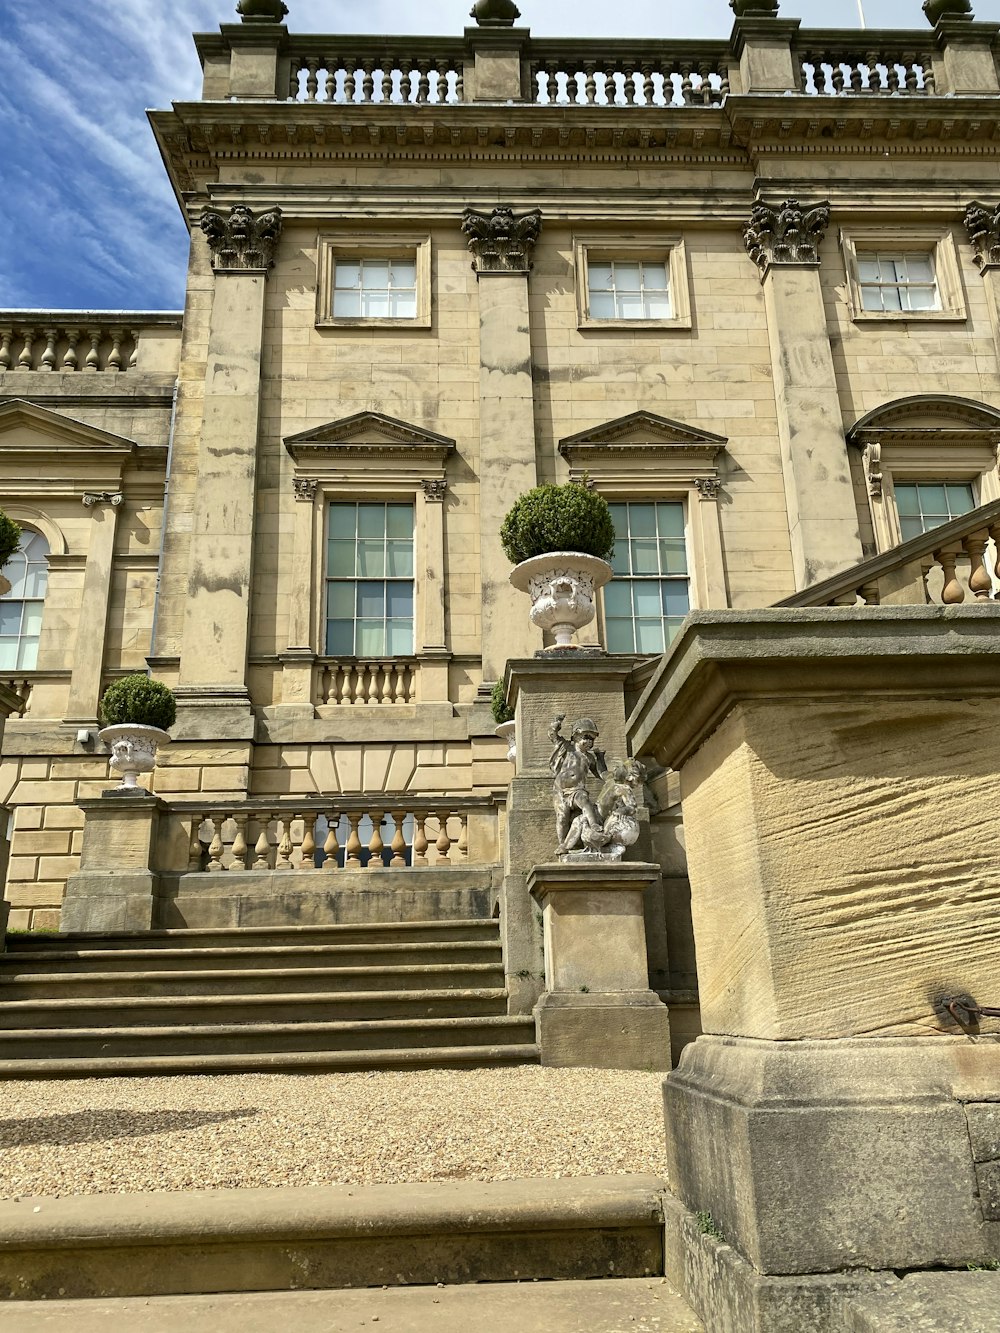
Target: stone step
[183,1011]
[261,1038]
[331,1237]
[285,1062]
[251,981]
[13,965]
[602,1305]
[379,933]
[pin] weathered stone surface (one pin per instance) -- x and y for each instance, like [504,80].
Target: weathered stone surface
[928,1303]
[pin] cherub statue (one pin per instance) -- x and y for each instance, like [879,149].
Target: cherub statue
[572,762]
[617,826]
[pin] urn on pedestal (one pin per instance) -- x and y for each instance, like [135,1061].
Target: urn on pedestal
[136,712]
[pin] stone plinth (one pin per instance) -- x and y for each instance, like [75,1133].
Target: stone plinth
[598,1010]
[115,887]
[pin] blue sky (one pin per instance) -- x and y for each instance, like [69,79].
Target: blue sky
[91,220]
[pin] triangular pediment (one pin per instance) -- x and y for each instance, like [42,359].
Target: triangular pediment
[368,432]
[25,426]
[942,415]
[642,429]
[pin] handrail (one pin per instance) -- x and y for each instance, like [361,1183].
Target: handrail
[927,549]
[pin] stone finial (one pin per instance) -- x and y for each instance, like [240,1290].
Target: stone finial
[754,8]
[983,225]
[495,13]
[947,9]
[261,11]
[786,234]
[243,241]
[501,242]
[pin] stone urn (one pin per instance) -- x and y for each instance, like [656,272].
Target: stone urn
[262,11]
[133,750]
[495,13]
[563,588]
[507,732]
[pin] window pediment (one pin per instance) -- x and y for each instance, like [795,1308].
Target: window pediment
[49,452]
[928,416]
[643,442]
[367,440]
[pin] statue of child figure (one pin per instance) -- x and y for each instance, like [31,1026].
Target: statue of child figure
[572,762]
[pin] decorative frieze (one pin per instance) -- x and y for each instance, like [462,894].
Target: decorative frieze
[305,488]
[434,489]
[983,225]
[243,241]
[785,233]
[499,241]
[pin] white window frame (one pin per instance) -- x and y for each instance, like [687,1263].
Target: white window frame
[381,246]
[892,241]
[667,250]
[328,578]
[685,507]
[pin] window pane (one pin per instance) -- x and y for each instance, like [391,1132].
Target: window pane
[343,520]
[602,305]
[403,274]
[27,655]
[399,601]
[8,654]
[871,298]
[600,277]
[673,556]
[36,580]
[891,299]
[922,298]
[642,520]
[620,558]
[31,621]
[649,636]
[403,305]
[620,636]
[371,559]
[371,600]
[371,638]
[371,520]
[675,597]
[627,277]
[868,270]
[399,559]
[960,500]
[340,638]
[375,275]
[15,571]
[347,305]
[932,500]
[906,500]
[618,599]
[646,597]
[376,305]
[341,559]
[400,634]
[630,306]
[645,557]
[657,307]
[10,617]
[340,600]
[654,276]
[399,520]
[670,520]
[911,527]
[347,274]
[919,268]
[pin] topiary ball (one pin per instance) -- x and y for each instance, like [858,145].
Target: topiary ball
[10,538]
[558,518]
[498,704]
[138,700]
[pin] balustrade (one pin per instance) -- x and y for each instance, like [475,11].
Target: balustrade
[632,80]
[350,78]
[61,343]
[831,70]
[364,682]
[391,831]
[22,687]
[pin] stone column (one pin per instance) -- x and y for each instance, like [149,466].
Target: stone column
[217,613]
[502,245]
[430,642]
[832,763]
[783,242]
[982,221]
[88,656]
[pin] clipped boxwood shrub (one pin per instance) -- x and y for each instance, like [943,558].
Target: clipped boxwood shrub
[139,700]
[10,538]
[558,518]
[498,703]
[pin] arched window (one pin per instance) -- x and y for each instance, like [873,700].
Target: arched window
[27,571]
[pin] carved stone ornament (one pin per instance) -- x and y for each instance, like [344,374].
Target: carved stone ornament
[786,234]
[500,242]
[947,9]
[563,588]
[983,225]
[495,13]
[261,11]
[754,8]
[243,241]
[434,489]
[872,459]
[708,487]
[590,829]
[112,498]
[305,488]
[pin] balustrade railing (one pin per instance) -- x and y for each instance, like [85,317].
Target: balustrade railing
[367,682]
[588,75]
[22,687]
[868,63]
[366,77]
[962,554]
[63,340]
[352,833]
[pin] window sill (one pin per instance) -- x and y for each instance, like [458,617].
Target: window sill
[417,322]
[909,317]
[633,325]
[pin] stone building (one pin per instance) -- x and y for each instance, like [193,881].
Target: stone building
[748,288]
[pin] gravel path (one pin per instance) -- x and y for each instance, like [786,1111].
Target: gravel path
[107,1136]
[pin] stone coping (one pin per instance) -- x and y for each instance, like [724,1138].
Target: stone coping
[594,877]
[723,657]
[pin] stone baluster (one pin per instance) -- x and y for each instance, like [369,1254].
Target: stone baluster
[463,837]
[262,847]
[910,71]
[995,539]
[980,583]
[590,82]
[24,360]
[423,82]
[48,361]
[404,684]
[724,86]
[443,844]
[459,81]
[350,79]
[195,847]
[71,359]
[216,847]
[6,338]
[372,695]
[952,593]
[353,842]
[312,78]
[870,594]
[239,849]
[133,360]
[330,82]
[837,75]
[92,362]
[927,62]
[846,599]
[115,355]
[375,844]
[386,69]
[283,856]
[629,86]
[368,80]
[385,693]
[359,695]
[308,848]
[398,839]
[331,846]
[686,85]
[648,86]
[419,838]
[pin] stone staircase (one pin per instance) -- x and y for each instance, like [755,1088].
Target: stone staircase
[419,994]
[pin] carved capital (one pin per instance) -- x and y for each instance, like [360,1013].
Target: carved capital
[94,498]
[434,489]
[242,241]
[786,233]
[305,488]
[499,241]
[708,487]
[983,225]
[872,459]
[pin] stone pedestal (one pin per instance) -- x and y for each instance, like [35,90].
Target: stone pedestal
[598,1010]
[115,887]
[832,764]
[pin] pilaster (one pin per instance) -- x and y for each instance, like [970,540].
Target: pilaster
[982,222]
[431,646]
[88,656]
[783,241]
[501,245]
